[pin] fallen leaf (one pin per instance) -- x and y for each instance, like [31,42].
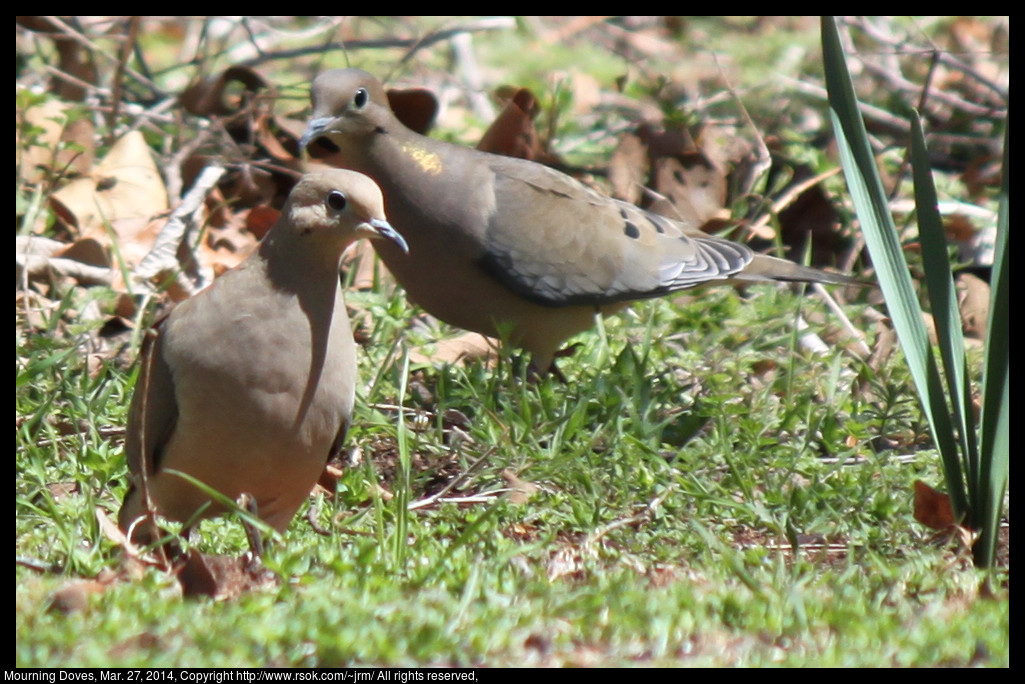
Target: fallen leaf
[693,185]
[513,134]
[521,490]
[74,596]
[367,269]
[222,577]
[811,216]
[222,94]
[63,490]
[932,507]
[50,153]
[124,190]
[414,107]
[973,298]
[628,169]
[458,349]
[261,219]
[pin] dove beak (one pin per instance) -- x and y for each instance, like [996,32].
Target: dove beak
[379,228]
[314,129]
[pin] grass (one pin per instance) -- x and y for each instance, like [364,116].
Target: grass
[694,507]
[702,492]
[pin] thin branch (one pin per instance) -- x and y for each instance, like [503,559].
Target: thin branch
[414,44]
[96,49]
[163,257]
[644,516]
[465,476]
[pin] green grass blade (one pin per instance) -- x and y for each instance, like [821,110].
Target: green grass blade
[943,300]
[402,484]
[225,501]
[995,438]
[887,257]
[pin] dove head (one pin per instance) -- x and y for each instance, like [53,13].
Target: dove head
[336,198]
[347,104]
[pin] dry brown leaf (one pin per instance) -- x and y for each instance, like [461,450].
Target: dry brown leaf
[63,490]
[811,216]
[667,142]
[38,161]
[369,269]
[696,189]
[513,134]
[973,298]
[251,187]
[982,174]
[125,189]
[959,228]
[466,346]
[87,251]
[414,107]
[276,140]
[223,94]
[73,597]
[260,220]
[521,532]
[628,168]
[222,577]
[566,560]
[932,507]
[229,244]
[521,489]
[679,171]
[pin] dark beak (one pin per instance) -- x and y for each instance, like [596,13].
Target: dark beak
[383,229]
[313,130]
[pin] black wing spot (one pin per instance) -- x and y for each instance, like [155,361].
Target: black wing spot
[631,231]
[658,221]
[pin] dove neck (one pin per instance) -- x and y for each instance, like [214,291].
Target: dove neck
[416,172]
[301,262]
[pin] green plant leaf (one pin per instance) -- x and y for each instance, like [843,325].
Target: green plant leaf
[881,239]
[995,439]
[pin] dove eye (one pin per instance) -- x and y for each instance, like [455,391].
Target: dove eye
[360,98]
[336,200]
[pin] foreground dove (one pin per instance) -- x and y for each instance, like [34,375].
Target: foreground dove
[508,247]
[249,385]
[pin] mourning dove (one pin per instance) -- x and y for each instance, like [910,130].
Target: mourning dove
[249,385]
[508,247]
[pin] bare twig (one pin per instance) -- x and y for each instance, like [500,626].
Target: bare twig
[40,266]
[414,44]
[877,114]
[900,45]
[84,41]
[119,74]
[785,199]
[462,49]
[848,325]
[899,83]
[162,258]
[763,160]
[465,476]
[644,516]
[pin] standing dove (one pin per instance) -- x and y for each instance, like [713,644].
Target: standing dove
[508,247]
[249,385]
